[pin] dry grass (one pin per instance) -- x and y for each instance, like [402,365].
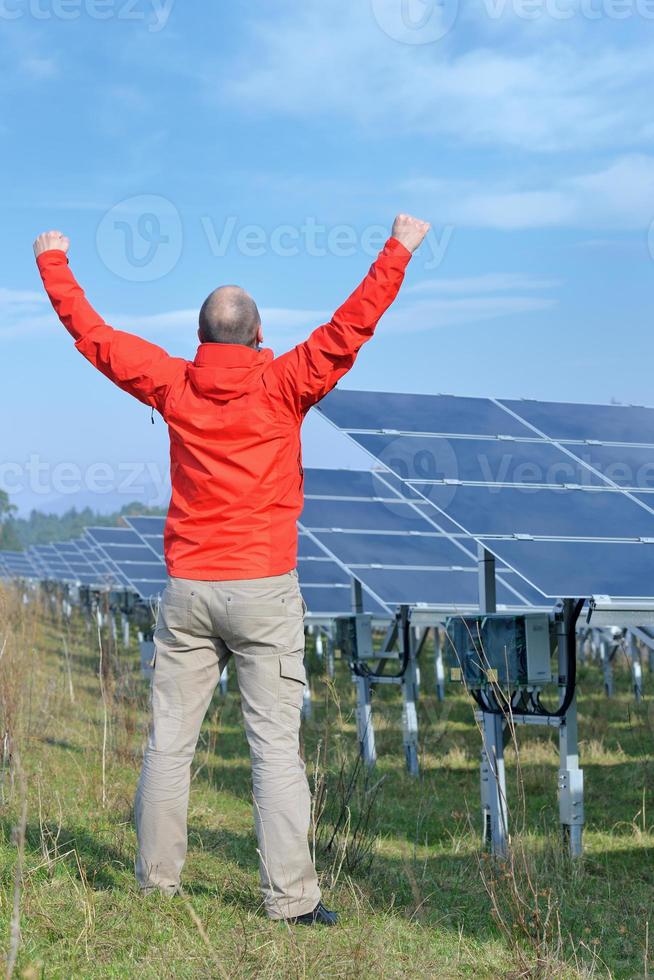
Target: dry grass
[403,865]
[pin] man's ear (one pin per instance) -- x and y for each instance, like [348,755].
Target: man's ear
[260,334]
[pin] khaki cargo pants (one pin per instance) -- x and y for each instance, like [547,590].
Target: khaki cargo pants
[201,626]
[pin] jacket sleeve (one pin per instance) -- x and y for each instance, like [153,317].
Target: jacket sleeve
[309,371]
[135,365]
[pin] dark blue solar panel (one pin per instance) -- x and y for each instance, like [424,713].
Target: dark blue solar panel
[19,564]
[66,547]
[363,515]
[345,483]
[121,553]
[156,544]
[542,512]
[477,460]
[147,588]
[334,601]
[567,420]
[418,413]
[306,548]
[136,570]
[113,535]
[626,466]
[316,572]
[434,588]
[579,569]
[391,549]
[390,480]
[147,525]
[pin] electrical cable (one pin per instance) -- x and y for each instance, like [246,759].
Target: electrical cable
[570,625]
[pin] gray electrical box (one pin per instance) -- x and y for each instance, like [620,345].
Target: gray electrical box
[496,648]
[354,636]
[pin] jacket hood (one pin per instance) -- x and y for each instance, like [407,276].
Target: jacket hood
[227,371]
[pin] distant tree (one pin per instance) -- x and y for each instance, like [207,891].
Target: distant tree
[41,528]
[9,540]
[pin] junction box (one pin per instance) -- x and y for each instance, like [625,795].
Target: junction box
[509,650]
[354,636]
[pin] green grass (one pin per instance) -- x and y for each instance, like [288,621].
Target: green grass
[423,908]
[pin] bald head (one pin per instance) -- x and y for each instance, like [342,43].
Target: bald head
[229,315]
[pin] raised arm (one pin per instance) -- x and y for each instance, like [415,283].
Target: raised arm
[308,372]
[135,365]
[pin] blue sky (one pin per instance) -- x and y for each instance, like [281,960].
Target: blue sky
[269,144]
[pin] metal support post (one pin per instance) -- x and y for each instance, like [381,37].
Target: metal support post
[409,694]
[307,704]
[331,653]
[492,775]
[126,630]
[365,728]
[440,668]
[636,666]
[571,777]
[495,817]
[607,666]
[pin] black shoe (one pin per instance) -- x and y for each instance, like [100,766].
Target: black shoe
[319,917]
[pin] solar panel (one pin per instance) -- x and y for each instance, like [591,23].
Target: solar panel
[631,467]
[521,485]
[394,547]
[113,535]
[471,460]
[146,524]
[122,553]
[134,565]
[331,601]
[151,531]
[17,564]
[425,550]
[397,516]
[542,512]
[570,569]
[377,411]
[567,420]
[321,571]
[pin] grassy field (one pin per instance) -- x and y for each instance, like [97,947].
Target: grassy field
[416,894]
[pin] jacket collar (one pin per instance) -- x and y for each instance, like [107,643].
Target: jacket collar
[231,355]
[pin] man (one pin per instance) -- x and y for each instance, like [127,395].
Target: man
[234,415]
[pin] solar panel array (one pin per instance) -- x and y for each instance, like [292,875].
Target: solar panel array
[384,534]
[562,494]
[132,558]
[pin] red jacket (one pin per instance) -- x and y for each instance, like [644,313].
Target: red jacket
[234,416]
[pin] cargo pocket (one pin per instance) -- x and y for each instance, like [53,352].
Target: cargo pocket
[293,677]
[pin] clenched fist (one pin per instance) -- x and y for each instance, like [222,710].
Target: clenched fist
[51,240]
[410,231]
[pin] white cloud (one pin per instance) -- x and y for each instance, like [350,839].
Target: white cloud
[23,312]
[562,89]
[472,300]
[435,314]
[492,282]
[619,195]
